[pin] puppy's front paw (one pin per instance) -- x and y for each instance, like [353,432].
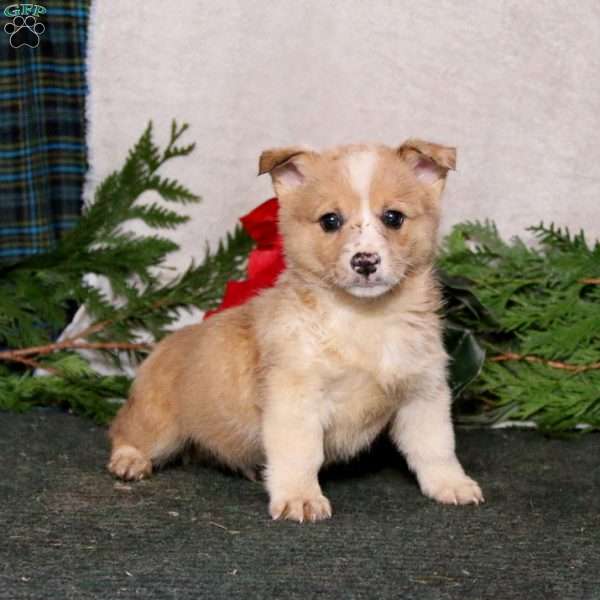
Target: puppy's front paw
[301,508]
[460,490]
[128,462]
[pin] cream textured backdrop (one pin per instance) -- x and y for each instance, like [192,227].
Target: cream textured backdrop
[514,85]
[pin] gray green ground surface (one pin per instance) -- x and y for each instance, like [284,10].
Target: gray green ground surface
[70,531]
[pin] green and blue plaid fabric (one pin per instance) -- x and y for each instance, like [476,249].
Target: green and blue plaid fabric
[42,123]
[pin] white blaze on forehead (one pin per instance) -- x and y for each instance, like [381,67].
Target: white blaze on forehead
[361,167]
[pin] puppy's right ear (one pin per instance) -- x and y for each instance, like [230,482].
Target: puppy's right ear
[285,165]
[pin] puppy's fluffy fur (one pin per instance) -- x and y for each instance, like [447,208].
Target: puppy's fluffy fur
[347,342]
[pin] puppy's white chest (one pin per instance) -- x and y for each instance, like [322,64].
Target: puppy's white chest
[393,350]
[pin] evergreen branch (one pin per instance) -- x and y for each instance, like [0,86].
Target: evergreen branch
[556,237]
[38,295]
[200,286]
[544,344]
[87,394]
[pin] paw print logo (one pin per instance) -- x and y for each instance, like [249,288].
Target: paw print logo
[24,31]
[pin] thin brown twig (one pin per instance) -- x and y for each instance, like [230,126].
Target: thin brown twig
[90,330]
[72,344]
[550,363]
[590,281]
[34,364]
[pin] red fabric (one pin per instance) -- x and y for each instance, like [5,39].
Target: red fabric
[265,262]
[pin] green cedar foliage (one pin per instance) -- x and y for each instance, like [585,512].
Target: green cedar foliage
[540,327]
[38,295]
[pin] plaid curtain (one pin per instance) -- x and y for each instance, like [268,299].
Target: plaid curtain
[42,122]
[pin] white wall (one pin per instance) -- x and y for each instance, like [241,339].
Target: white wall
[514,85]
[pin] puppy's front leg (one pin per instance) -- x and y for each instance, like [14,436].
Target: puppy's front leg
[422,430]
[293,442]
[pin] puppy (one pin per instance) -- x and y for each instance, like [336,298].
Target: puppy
[347,343]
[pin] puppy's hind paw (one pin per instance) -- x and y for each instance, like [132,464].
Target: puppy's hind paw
[127,462]
[300,508]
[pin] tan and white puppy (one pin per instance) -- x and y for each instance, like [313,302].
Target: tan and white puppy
[347,343]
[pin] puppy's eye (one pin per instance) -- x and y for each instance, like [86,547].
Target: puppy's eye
[392,219]
[331,222]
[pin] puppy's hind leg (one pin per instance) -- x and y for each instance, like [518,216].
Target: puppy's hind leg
[144,432]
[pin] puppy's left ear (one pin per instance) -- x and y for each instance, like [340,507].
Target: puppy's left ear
[287,166]
[430,162]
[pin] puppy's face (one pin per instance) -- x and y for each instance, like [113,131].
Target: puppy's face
[359,218]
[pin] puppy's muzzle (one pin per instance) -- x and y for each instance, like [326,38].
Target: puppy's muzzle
[365,263]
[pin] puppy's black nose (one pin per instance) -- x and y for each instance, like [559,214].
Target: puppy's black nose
[365,263]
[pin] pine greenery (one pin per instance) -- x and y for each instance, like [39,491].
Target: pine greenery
[540,326]
[38,295]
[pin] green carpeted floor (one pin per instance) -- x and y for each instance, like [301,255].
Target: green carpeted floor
[70,531]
